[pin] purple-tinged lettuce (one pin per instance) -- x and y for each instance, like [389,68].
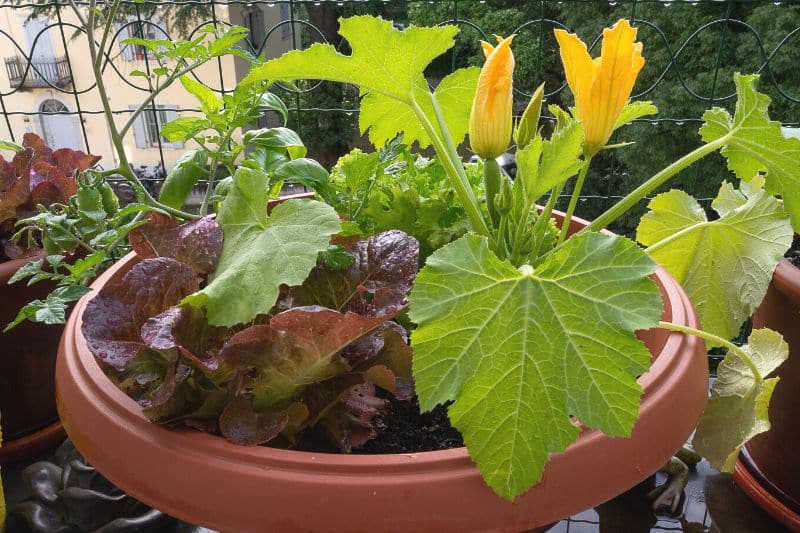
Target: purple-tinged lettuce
[282,374]
[186,330]
[113,319]
[376,283]
[37,175]
[197,243]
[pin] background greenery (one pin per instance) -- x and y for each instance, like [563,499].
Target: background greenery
[692,51]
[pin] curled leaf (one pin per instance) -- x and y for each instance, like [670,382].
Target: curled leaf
[376,283]
[299,347]
[113,319]
[241,424]
[350,423]
[738,409]
[186,330]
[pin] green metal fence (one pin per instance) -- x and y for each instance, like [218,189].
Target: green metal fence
[692,50]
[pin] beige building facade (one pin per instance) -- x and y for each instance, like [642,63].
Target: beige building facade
[42,100]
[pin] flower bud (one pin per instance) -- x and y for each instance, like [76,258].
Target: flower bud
[490,121]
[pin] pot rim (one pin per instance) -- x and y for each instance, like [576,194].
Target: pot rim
[653,383]
[787,279]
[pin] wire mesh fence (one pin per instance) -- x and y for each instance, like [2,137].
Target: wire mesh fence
[692,50]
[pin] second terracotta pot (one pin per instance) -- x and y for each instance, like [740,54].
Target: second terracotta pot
[769,469]
[27,371]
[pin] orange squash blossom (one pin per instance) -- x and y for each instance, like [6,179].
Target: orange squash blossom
[602,85]
[490,121]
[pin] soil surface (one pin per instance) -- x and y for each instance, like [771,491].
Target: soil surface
[403,429]
[793,254]
[406,430]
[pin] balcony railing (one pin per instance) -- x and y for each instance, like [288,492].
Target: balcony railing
[41,72]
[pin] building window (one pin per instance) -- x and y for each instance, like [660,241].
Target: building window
[254,21]
[153,120]
[286,29]
[143,30]
[148,125]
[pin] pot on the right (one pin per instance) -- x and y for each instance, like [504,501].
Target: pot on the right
[768,469]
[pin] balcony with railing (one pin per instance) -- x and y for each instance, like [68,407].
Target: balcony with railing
[38,72]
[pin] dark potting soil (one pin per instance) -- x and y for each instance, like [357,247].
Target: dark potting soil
[403,429]
[406,430]
[793,254]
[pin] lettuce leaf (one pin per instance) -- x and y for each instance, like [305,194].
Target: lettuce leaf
[113,319]
[197,243]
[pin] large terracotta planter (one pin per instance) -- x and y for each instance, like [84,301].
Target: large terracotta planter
[769,466]
[206,480]
[27,370]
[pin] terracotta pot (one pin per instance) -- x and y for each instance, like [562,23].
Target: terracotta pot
[27,369]
[769,467]
[206,480]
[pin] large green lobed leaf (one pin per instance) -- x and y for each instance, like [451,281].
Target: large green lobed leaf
[739,406]
[261,253]
[384,59]
[388,65]
[385,117]
[520,350]
[756,144]
[725,265]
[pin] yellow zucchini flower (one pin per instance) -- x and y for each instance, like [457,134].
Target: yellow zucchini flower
[490,121]
[601,86]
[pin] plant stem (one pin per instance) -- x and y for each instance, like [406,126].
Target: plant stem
[124,168]
[573,201]
[492,176]
[543,219]
[501,248]
[116,242]
[452,164]
[716,340]
[158,90]
[213,175]
[624,205]
[112,11]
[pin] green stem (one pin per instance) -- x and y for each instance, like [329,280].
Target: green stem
[111,14]
[492,176]
[158,90]
[624,205]
[121,238]
[716,340]
[452,164]
[213,174]
[500,239]
[573,201]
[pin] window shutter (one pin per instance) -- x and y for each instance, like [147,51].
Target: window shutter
[125,50]
[139,130]
[172,114]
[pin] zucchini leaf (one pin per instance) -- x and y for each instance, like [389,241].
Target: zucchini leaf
[520,350]
[756,144]
[739,406]
[260,253]
[725,265]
